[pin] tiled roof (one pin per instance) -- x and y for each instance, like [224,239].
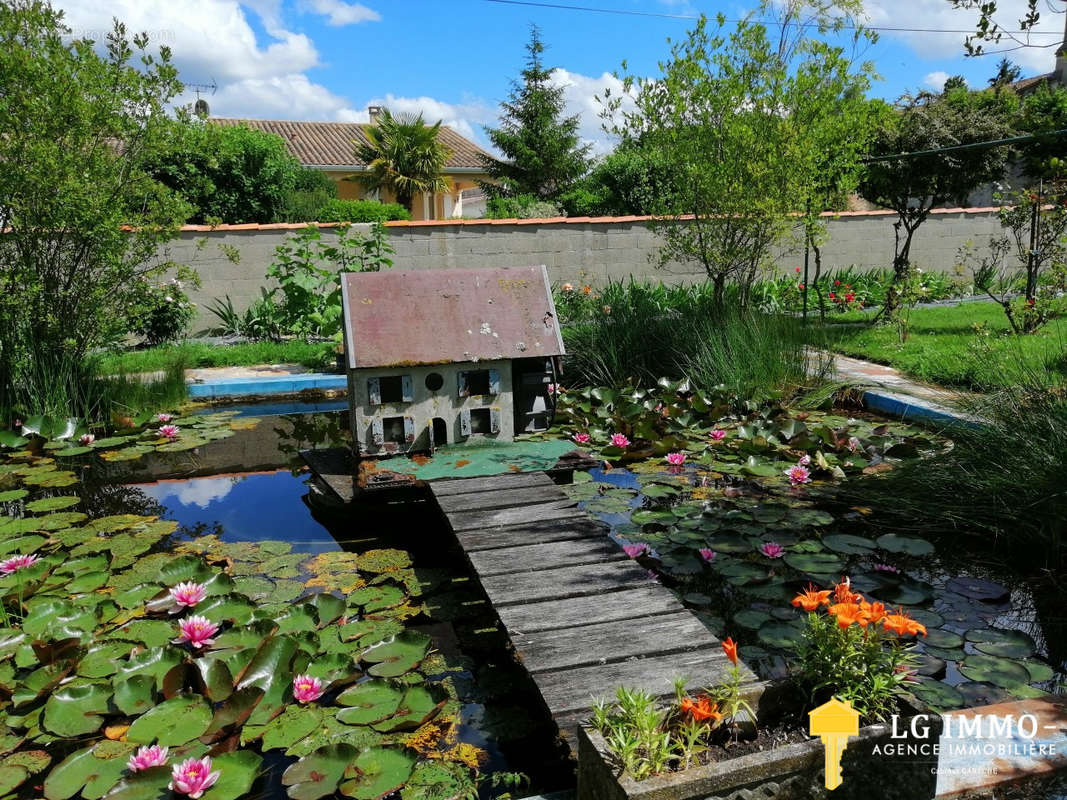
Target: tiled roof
[1029,84]
[326,144]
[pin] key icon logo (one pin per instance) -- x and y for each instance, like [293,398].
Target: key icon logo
[833,722]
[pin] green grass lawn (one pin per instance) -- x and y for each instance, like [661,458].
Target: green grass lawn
[200,354]
[968,346]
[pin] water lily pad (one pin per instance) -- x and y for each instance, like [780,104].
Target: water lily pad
[399,655]
[997,671]
[742,573]
[291,725]
[369,702]
[905,545]
[940,638]
[810,517]
[930,619]
[377,772]
[937,694]
[751,618]
[52,503]
[645,516]
[83,771]
[437,780]
[237,772]
[978,589]
[848,544]
[980,693]
[930,666]
[1002,642]
[13,494]
[416,709]
[781,635]
[377,598]
[135,695]
[1040,672]
[176,721]
[76,710]
[815,563]
[944,653]
[318,774]
[729,543]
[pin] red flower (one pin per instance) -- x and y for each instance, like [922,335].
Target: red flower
[849,297]
[837,283]
[730,648]
[832,295]
[797,269]
[800,286]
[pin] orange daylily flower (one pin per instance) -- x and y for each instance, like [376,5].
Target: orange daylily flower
[843,592]
[903,625]
[811,598]
[587,290]
[701,708]
[875,611]
[848,614]
[730,648]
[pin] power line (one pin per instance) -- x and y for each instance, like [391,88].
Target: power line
[1033,137]
[690,17]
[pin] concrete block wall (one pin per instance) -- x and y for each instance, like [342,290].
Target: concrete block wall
[576,250]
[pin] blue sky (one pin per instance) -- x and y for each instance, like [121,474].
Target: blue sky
[454,60]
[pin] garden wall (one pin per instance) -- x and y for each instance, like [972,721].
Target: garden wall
[577,250]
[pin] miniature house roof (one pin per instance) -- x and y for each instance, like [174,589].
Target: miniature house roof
[405,317]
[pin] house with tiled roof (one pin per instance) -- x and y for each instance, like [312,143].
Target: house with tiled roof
[331,147]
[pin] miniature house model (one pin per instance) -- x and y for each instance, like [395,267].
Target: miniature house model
[439,357]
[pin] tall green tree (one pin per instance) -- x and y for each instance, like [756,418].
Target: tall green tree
[404,156]
[734,112]
[913,185]
[541,149]
[233,174]
[81,219]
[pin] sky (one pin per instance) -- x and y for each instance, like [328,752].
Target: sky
[454,60]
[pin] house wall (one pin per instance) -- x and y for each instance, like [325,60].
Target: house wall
[578,251]
[427,404]
[354,190]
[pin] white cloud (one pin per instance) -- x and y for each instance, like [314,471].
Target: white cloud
[940,15]
[580,94]
[339,13]
[936,80]
[291,96]
[201,492]
[467,116]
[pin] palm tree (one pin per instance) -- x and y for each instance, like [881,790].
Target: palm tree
[403,155]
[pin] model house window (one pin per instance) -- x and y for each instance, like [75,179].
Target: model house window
[479,382]
[473,421]
[390,389]
[393,430]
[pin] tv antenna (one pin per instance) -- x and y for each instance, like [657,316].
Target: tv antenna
[201,107]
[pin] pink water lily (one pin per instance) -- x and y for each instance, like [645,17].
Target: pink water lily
[717,435]
[804,460]
[169,431]
[620,440]
[581,438]
[854,444]
[86,439]
[772,550]
[163,418]
[187,595]
[145,757]
[307,688]
[675,459]
[197,631]
[636,550]
[15,563]
[798,474]
[886,568]
[707,554]
[193,777]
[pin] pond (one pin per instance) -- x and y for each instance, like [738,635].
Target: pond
[241,501]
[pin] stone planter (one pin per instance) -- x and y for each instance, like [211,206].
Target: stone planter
[791,772]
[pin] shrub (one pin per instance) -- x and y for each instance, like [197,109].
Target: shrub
[361,211]
[312,190]
[522,206]
[164,312]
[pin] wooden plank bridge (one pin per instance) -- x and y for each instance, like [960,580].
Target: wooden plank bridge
[584,618]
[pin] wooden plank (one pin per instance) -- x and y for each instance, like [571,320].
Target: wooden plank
[611,641]
[477,520]
[576,689]
[549,555]
[563,583]
[550,530]
[333,467]
[644,601]
[501,498]
[512,480]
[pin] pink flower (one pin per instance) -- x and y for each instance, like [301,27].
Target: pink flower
[886,568]
[15,563]
[676,459]
[620,440]
[707,554]
[772,550]
[188,594]
[197,631]
[717,435]
[636,550]
[163,418]
[651,575]
[551,388]
[581,438]
[86,439]
[145,757]
[854,444]
[193,777]
[804,460]
[798,474]
[170,431]
[307,688]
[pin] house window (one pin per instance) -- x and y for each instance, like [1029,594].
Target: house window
[480,420]
[390,389]
[393,429]
[479,382]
